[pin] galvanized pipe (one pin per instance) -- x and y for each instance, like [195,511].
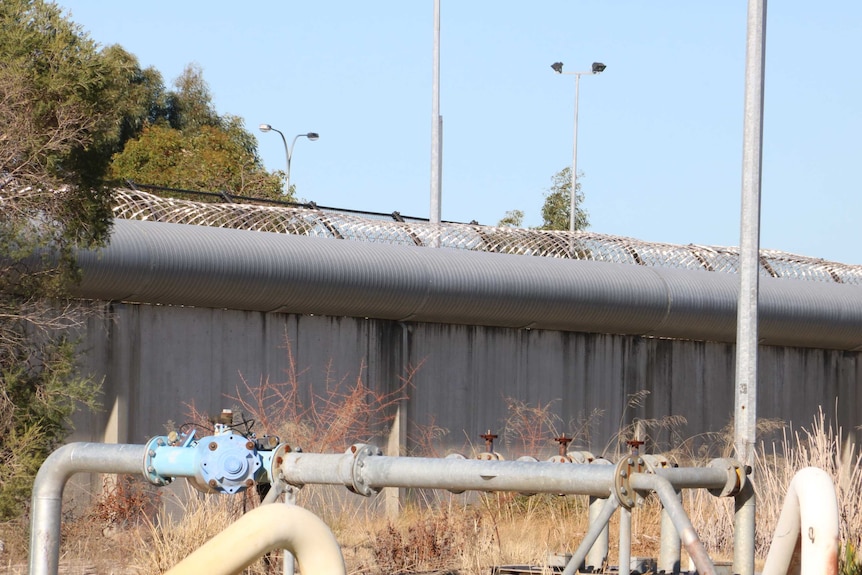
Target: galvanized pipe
[48,488]
[598,553]
[695,477]
[745,507]
[597,525]
[265,529]
[377,472]
[288,559]
[625,566]
[748,308]
[670,545]
[667,495]
[810,510]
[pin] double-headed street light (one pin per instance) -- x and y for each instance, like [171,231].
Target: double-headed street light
[597,68]
[288,151]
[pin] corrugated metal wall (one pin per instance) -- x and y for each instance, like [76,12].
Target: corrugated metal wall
[156,360]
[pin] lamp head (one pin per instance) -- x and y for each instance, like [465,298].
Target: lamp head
[312,136]
[598,67]
[558,67]
[265,128]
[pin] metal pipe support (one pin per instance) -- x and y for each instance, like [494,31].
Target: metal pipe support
[625,554]
[744,511]
[598,554]
[670,546]
[597,526]
[669,499]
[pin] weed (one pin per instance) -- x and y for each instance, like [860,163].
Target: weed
[125,501]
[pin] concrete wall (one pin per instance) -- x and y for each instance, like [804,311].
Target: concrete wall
[155,360]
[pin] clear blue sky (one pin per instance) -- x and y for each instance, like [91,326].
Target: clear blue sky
[660,132]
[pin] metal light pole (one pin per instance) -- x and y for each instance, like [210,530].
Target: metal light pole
[436,125]
[597,68]
[745,402]
[288,151]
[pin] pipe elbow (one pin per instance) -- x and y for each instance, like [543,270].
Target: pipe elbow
[264,529]
[806,535]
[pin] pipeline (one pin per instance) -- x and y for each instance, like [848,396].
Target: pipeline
[47,498]
[229,462]
[264,529]
[364,470]
[810,510]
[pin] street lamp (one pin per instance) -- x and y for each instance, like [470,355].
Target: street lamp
[597,68]
[288,151]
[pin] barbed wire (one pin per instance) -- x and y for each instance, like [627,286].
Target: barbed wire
[310,220]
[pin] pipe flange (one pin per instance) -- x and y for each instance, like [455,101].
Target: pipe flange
[490,456]
[273,461]
[530,459]
[736,474]
[627,496]
[456,456]
[581,457]
[360,454]
[149,469]
[654,462]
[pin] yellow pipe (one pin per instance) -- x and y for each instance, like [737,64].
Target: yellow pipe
[265,529]
[806,535]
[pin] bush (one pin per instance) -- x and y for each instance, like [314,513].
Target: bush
[39,392]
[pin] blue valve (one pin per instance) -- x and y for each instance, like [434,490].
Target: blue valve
[228,462]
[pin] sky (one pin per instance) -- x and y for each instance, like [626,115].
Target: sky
[659,132]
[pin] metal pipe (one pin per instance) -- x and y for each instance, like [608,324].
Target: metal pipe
[745,508]
[288,558]
[745,390]
[598,554]
[47,499]
[246,270]
[694,477]
[668,496]
[810,508]
[625,554]
[669,545]
[574,183]
[376,472]
[265,529]
[596,527]
[436,121]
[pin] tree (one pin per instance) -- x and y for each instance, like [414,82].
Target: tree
[190,107]
[188,145]
[208,159]
[512,219]
[58,116]
[557,206]
[139,94]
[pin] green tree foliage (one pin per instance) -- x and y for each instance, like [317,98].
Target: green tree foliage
[557,206]
[190,106]
[208,158]
[512,219]
[190,146]
[59,116]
